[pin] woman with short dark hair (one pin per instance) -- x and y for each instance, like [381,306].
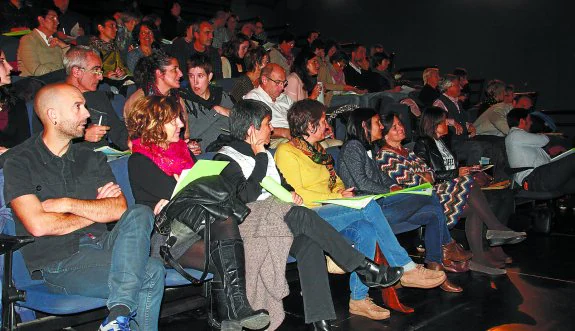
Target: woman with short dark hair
[256,59]
[249,164]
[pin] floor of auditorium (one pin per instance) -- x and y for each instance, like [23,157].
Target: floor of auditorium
[538,292]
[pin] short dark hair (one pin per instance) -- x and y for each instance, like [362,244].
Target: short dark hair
[377,58]
[254,57]
[338,57]
[310,32]
[460,72]
[515,115]
[430,119]
[329,44]
[44,10]
[101,20]
[200,60]
[246,113]
[318,43]
[356,46]
[286,36]
[354,127]
[302,114]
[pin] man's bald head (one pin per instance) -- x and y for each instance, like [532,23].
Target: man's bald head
[62,110]
[50,96]
[273,80]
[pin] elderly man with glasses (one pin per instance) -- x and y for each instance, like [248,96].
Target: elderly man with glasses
[272,84]
[84,71]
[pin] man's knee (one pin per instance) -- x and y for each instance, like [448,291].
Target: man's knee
[140,215]
[156,272]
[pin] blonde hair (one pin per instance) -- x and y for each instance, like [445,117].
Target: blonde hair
[146,119]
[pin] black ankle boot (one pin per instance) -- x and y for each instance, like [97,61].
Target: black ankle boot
[229,288]
[373,275]
[322,325]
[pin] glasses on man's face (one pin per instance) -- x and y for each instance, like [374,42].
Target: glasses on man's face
[52,17]
[96,71]
[278,82]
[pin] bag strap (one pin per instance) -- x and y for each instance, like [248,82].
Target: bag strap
[169,259]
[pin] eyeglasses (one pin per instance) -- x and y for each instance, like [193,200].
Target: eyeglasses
[95,71]
[278,82]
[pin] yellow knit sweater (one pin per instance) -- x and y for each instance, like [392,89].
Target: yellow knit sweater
[309,179]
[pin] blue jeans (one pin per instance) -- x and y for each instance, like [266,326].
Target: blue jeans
[116,266]
[367,226]
[406,212]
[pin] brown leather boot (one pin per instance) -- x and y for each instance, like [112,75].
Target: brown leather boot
[453,251]
[447,286]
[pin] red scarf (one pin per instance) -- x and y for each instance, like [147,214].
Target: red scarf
[171,161]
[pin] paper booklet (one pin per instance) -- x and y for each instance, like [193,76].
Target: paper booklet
[362,201]
[562,155]
[202,168]
[275,188]
[109,151]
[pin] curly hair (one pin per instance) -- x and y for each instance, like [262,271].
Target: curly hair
[138,27]
[146,119]
[145,71]
[302,114]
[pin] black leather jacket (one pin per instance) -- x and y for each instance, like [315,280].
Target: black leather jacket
[426,149]
[206,199]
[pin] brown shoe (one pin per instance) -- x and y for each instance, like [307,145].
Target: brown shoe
[368,309]
[452,266]
[447,286]
[453,251]
[421,277]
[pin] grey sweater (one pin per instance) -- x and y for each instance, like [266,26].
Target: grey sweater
[356,169]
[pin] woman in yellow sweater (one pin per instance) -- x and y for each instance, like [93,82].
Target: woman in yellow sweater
[309,169]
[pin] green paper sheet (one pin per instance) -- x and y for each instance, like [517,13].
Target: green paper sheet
[109,151]
[355,202]
[362,201]
[17,33]
[202,168]
[276,189]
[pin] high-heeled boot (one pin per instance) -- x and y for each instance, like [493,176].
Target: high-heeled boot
[229,287]
[374,275]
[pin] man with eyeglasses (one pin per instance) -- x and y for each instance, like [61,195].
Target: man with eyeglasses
[39,52]
[84,71]
[272,84]
[282,54]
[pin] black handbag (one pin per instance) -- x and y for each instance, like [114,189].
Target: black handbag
[204,201]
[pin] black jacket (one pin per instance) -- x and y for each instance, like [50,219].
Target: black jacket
[426,149]
[206,199]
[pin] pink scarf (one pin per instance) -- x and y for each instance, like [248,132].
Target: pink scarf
[171,161]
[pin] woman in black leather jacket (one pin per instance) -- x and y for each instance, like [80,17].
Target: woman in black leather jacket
[430,148]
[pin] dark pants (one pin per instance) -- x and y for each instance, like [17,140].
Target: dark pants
[312,237]
[554,176]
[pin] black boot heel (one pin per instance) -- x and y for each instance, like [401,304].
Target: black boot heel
[373,275]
